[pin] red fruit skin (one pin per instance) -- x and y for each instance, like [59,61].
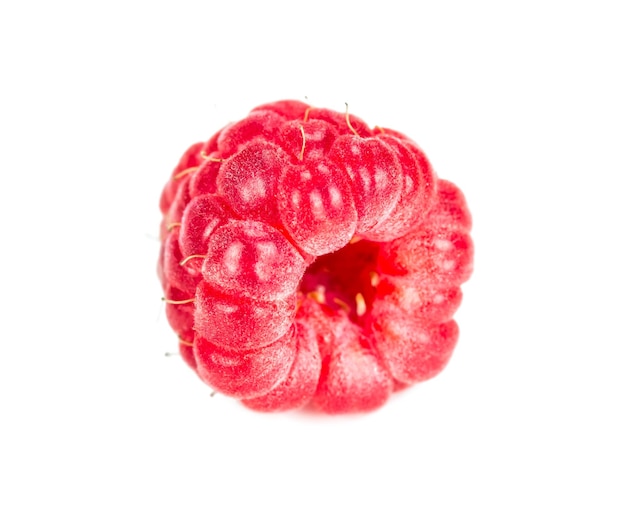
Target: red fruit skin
[190,159]
[179,316]
[297,389]
[451,212]
[184,277]
[248,181]
[185,348]
[375,175]
[417,194]
[245,373]
[316,206]
[239,322]
[439,251]
[352,379]
[443,259]
[244,257]
[258,125]
[411,350]
[432,304]
[201,217]
[309,261]
[307,141]
[204,180]
[177,207]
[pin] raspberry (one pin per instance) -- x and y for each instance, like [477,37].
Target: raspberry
[310,261]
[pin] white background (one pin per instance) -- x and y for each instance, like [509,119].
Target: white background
[522,105]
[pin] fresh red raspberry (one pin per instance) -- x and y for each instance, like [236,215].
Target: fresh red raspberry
[310,261]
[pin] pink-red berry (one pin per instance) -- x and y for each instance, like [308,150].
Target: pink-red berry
[310,261]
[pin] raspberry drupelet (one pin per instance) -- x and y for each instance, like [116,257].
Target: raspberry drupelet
[310,261]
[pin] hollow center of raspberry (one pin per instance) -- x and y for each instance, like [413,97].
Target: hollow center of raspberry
[344,280]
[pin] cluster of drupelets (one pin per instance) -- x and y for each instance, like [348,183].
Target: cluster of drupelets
[308,260]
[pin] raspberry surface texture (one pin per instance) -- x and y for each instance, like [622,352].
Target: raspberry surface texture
[310,261]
